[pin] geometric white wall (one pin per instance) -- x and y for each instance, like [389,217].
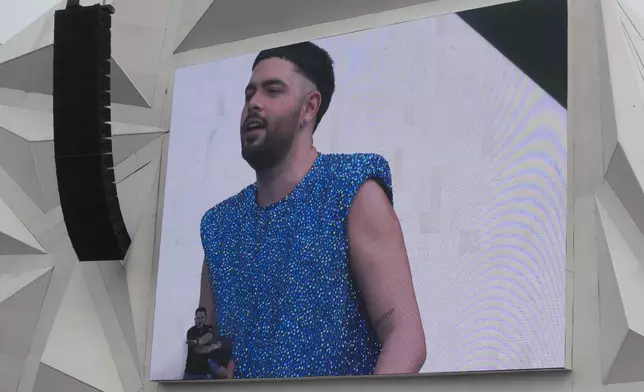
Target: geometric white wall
[52,308]
[620,200]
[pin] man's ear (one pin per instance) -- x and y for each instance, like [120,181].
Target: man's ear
[312,106]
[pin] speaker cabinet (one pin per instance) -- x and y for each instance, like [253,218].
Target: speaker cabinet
[82,133]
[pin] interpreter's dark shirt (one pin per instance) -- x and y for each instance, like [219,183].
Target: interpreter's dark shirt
[197,363]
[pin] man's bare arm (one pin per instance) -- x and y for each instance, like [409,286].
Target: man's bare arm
[380,264]
[205,295]
[207,301]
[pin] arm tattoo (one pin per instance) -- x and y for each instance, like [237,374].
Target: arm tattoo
[388,314]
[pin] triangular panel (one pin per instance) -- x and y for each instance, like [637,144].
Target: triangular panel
[31,125]
[613,323]
[31,72]
[228,21]
[36,126]
[191,13]
[609,122]
[36,35]
[17,160]
[11,283]
[633,28]
[621,291]
[10,369]
[113,273]
[77,345]
[139,265]
[15,238]
[46,167]
[134,192]
[123,89]
[119,128]
[34,73]
[49,379]
[629,362]
[626,183]
[18,318]
[125,145]
[627,98]
[629,271]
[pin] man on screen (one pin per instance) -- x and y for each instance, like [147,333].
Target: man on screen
[307,267]
[202,346]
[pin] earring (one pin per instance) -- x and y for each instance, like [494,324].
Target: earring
[303,123]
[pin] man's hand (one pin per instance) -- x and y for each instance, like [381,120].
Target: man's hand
[205,339]
[379,262]
[192,342]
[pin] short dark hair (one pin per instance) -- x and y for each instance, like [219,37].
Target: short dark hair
[201,309]
[311,61]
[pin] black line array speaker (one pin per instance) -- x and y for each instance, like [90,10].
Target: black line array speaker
[82,133]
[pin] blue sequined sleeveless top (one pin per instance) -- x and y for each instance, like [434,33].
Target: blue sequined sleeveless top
[281,278]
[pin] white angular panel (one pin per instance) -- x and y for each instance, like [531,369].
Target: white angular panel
[229,20]
[613,323]
[636,5]
[628,365]
[38,33]
[633,27]
[24,208]
[139,264]
[123,89]
[35,126]
[10,369]
[30,125]
[47,180]
[628,101]
[113,273]
[141,158]
[77,345]
[32,37]
[133,129]
[31,72]
[138,37]
[16,158]
[15,238]
[11,283]
[112,324]
[49,379]
[621,282]
[123,146]
[134,191]
[18,317]
[621,177]
[191,12]
[34,73]
[12,97]
[608,121]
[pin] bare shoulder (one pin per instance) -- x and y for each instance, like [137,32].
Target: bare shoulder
[371,198]
[371,210]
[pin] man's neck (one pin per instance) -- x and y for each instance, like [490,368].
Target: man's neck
[276,183]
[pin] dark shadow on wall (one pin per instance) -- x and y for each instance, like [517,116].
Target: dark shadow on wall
[532,34]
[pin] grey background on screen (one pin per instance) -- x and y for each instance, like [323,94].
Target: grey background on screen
[478,156]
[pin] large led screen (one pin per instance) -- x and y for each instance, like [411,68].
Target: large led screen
[390,201]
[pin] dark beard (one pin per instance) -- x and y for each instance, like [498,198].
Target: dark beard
[269,153]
